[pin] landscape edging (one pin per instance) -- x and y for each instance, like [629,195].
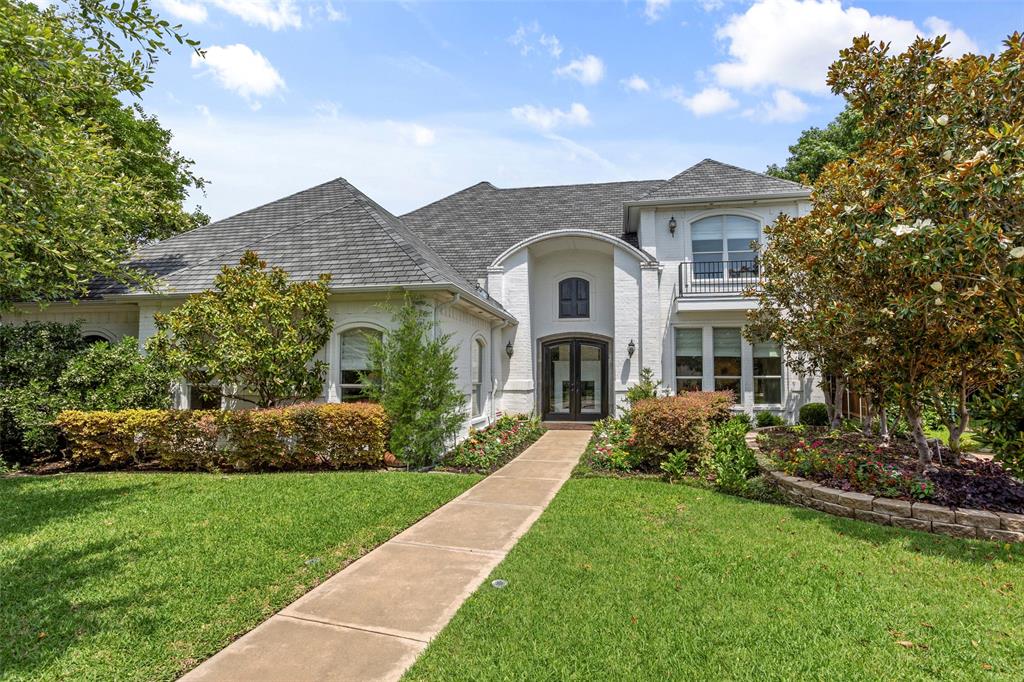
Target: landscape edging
[930,518]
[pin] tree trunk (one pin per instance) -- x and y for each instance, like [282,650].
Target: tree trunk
[837,401]
[883,424]
[826,390]
[867,421]
[924,451]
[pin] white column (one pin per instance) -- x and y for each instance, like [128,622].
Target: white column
[708,342]
[746,373]
[627,297]
[652,323]
[515,287]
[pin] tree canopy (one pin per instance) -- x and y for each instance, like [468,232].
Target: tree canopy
[253,338]
[911,259]
[84,178]
[818,147]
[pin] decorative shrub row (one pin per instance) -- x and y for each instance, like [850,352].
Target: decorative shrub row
[485,450]
[307,436]
[679,423]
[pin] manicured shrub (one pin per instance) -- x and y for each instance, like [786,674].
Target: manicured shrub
[298,437]
[814,414]
[485,450]
[678,423]
[729,462]
[765,418]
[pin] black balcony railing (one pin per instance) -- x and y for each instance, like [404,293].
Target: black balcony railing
[718,276]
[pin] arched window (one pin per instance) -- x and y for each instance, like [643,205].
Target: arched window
[721,246]
[355,362]
[91,338]
[574,298]
[476,370]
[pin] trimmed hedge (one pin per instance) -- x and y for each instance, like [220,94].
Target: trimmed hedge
[678,423]
[308,436]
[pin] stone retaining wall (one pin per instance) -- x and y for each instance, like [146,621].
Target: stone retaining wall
[960,523]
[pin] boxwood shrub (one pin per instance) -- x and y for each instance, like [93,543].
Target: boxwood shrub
[308,436]
[814,414]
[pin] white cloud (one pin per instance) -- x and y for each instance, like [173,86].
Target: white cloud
[204,111]
[707,102]
[522,38]
[273,14]
[587,70]
[419,135]
[182,9]
[791,43]
[553,45]
[783,107]
[547,119]
[712,5]
[334,14]
[654,9]
[635,83]
[242,70]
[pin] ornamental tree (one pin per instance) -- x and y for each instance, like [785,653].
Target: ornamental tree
[85,175]
[919,235]
[818,147]
[255,334]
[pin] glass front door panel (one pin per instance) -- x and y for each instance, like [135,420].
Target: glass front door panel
[560,378]
[591,388]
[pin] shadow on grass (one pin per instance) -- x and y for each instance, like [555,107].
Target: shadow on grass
[953,549]
[29,503]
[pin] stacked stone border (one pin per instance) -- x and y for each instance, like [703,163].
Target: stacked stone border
[930,518]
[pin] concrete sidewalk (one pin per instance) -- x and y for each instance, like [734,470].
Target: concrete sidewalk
[371,620]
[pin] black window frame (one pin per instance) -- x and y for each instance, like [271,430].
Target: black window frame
[573,298]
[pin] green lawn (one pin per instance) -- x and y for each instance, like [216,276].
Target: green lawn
[141,576]
[628,579]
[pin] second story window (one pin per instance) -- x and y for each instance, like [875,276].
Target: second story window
[574,298]
[721,246]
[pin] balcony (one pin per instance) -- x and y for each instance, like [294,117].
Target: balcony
[718,281]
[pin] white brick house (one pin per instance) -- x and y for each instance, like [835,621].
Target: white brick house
[556,296]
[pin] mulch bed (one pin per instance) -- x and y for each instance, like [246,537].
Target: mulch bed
[854,462]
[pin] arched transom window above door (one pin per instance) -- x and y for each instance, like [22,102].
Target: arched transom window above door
[573,298]
[721,246]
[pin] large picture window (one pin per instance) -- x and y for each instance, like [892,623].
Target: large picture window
[477,376]
[689,359]
[721,246]
[728,363]
[767,373]
[574,298]
[355,362]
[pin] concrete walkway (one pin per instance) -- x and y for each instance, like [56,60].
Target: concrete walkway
[371,620]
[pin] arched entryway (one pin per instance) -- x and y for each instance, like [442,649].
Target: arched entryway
[574,378]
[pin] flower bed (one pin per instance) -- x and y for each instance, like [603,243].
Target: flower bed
[850,475]
[488,449]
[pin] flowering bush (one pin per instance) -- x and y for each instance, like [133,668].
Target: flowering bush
[612,446]
[487,449]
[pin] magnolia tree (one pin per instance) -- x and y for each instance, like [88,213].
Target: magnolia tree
[255,334]
[917,238]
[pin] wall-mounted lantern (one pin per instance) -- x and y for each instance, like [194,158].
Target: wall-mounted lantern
[631,348]
[509,349]
[672,226]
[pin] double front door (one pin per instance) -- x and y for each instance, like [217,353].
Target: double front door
[575,380]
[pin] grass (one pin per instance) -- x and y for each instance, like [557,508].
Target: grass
[141,576]
[967,442]
[632,579]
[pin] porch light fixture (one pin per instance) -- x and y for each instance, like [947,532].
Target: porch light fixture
[631,348]
[509,349]
[672,226]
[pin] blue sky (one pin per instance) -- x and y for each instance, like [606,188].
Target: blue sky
[412,101]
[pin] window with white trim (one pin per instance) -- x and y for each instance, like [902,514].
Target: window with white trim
[728,368]
[721,240]
[476,376]
[355,363]
[689,359]
[767,373]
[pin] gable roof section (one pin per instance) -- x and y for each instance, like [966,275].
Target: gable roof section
[710,179]
[474,226]
[331,228]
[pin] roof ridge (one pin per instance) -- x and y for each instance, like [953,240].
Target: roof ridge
[482,184]
[708,161]
[579,184]
[763,175]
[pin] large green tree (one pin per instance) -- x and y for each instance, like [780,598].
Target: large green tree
[919,236]
[818,147]
[84,177]
[253,338]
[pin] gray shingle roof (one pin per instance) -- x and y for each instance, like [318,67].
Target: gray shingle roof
[331,228]
[710,178]
[474,226]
